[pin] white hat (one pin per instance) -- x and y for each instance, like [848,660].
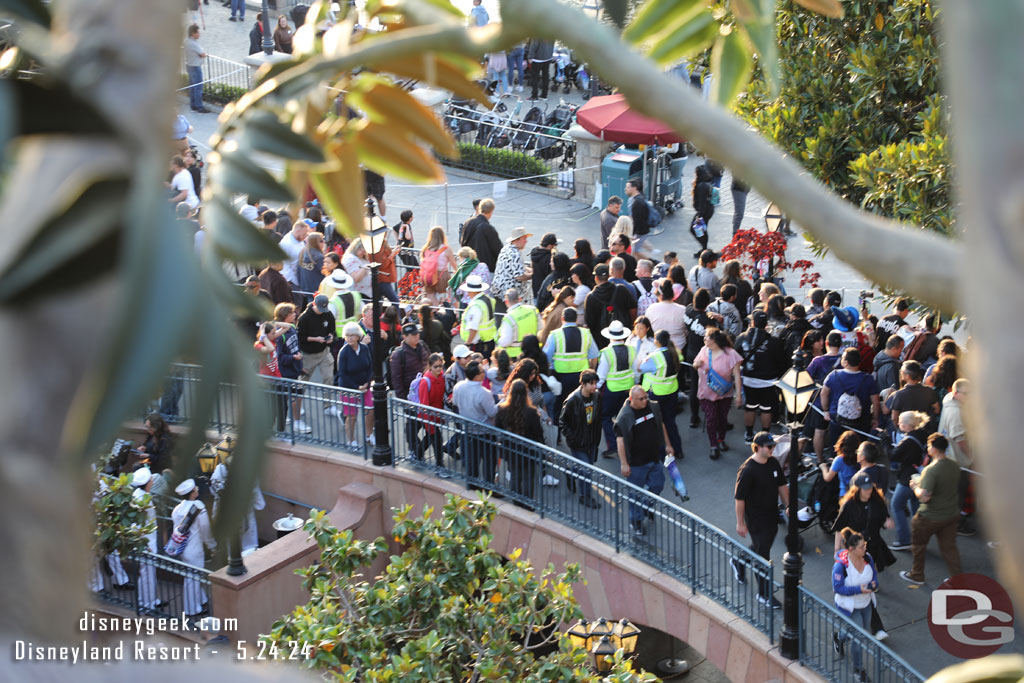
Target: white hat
[616,330]
[517,233]
[339,279]
[185,487]
[461,351]
[141,477]
[473,283]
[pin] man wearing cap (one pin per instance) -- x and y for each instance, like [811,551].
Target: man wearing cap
[823,321]
[316,332]
[142,481]
[408,360]
[199,535]
[477,326]
[540,258]
[759,485]
[480,236]
[520,320]
[570,350]
[292,244]
[455,373]
[580,422]
[763,364]
[607,301]
[616,374]
[511,272]
[642,442]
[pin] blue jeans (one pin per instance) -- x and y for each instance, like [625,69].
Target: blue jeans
[900,497]
[583,482]
[861,617]
[238,6]
[516,66]
[388,290]
[651,477]
[501,77]
[195,92]
[611,404]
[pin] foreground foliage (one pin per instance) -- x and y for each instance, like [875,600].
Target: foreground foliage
[121,520]
[448,608]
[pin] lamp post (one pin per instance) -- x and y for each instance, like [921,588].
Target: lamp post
[268,40]
[797,388]
[374,233]
[602,639]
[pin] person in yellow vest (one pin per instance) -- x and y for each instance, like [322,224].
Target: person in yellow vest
[345,305]
[570,350]
[478,328]
[520,320]
[661,381]
[616,375]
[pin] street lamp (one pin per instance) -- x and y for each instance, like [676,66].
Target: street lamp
[602,639]
[374,234]
[797,388]
[268,40]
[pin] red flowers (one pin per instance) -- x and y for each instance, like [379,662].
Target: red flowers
[752,247]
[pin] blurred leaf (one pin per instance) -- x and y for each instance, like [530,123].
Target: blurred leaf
[236,172]
[616,9]
[275,69]
[654,16]
[236,238]
[684,40]
[830,8]
[433,69]
[760,30]
[33,10]
[388,153]
[79,244]
[55,109]
[233,298]
[263,132]
[341,190]
[387,103]
[8,105]
[731,65]
[158,266]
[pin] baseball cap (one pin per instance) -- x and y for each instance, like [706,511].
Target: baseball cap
[601,270]
[321,301]
[461,351]
[763,439]
[760,319]
[410,328]
[862,481]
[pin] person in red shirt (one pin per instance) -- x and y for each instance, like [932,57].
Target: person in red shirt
[431,394]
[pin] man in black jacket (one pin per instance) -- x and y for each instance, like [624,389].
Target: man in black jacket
[606,302]
[540,258]
[763,363]
[481,237]
[580,423]
[316,332]
[256,35]
[639,212]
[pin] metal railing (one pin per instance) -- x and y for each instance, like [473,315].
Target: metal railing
[223,79]
[156,585]
[819,621]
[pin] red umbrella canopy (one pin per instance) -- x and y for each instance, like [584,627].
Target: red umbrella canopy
[610,118]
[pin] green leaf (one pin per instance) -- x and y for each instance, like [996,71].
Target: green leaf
[33,10]
[263,132]
[760,30]
[731,64]
[8,105]
[616,9]
[236,238]
[55,108]
[79,244]
[236,172]
[686,39]
[655,15]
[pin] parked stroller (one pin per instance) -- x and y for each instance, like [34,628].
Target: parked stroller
[557,122]
[816,499]
[524,138]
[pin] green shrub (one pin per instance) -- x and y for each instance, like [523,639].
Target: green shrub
[504,163]
[218,93]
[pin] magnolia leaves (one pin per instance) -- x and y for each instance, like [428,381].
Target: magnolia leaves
[673,30]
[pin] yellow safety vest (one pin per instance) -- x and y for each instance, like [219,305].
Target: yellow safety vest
[619,379]
[345,314]
[660,382]
[524,322]
[571,361]
[487,330]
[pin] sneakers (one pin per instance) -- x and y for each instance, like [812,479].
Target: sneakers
[372,440]
[444,474]
[354,445]
[905,575]
[694,424]
[301,427]
[881,635]
[769,602]
[860,675]
[965,528]
[748,436]
[519,88]
[716,453]
[332,411]
[899,546]
[723,446]
[548,480]
[738,571]
[638,528]
[838,645]
[610,453]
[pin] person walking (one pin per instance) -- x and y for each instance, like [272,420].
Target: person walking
[570,350]
[431,394]
[289,359]
[660,373]
[316,333]
[642,444]
[854,581]
[517,415]
[355,371]
[199,536]
[142,481]
[616,374]
[759,485]
[540,54]
[580,422]
[473,401]
[910,455]
[939,513]
[718,376]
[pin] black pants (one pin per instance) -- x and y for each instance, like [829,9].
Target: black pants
[282,404]
[431,440]
[762,534]
[691,393]
[539,71]
[523,467]
[570,382]
[481,460]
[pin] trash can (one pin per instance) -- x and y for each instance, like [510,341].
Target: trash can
[616,169]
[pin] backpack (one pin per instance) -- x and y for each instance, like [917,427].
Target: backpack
[653,215]
[716,196]
[849,407]
[428,268]
[414,387]
[913,348]
[645,298]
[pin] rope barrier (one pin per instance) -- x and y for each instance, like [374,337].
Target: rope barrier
[211,80]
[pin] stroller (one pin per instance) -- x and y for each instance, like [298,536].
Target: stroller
[816,499]
[556,123]
[525,136]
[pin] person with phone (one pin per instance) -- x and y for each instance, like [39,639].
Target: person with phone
[855,581]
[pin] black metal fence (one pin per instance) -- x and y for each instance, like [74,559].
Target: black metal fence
[153,585]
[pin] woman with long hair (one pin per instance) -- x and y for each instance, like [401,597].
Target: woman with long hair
[432,332]
[158,443]
[560,276]
[531,349]
[526,370]
[732,274]
[311,263]
[661,382]
[777,318]
[582,282]
[942,375]
[844,465]
[553,314]
[517,415]
[717,355]
[812,344]
[863,509]
[642,338]
[680,286]
[584,253]
[498,372]
[623,226]
[266,346]
[354,262]
[436,265]
[854,581]
[702,206]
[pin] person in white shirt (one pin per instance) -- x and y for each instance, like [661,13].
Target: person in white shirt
[292,244]
[667,315]
[185,190]
[250,211]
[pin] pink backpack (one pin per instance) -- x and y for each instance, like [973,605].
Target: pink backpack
[428,267]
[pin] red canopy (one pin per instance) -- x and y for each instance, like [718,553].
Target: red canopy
[610,118]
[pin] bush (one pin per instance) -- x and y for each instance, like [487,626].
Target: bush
[504,163]
[217,93]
